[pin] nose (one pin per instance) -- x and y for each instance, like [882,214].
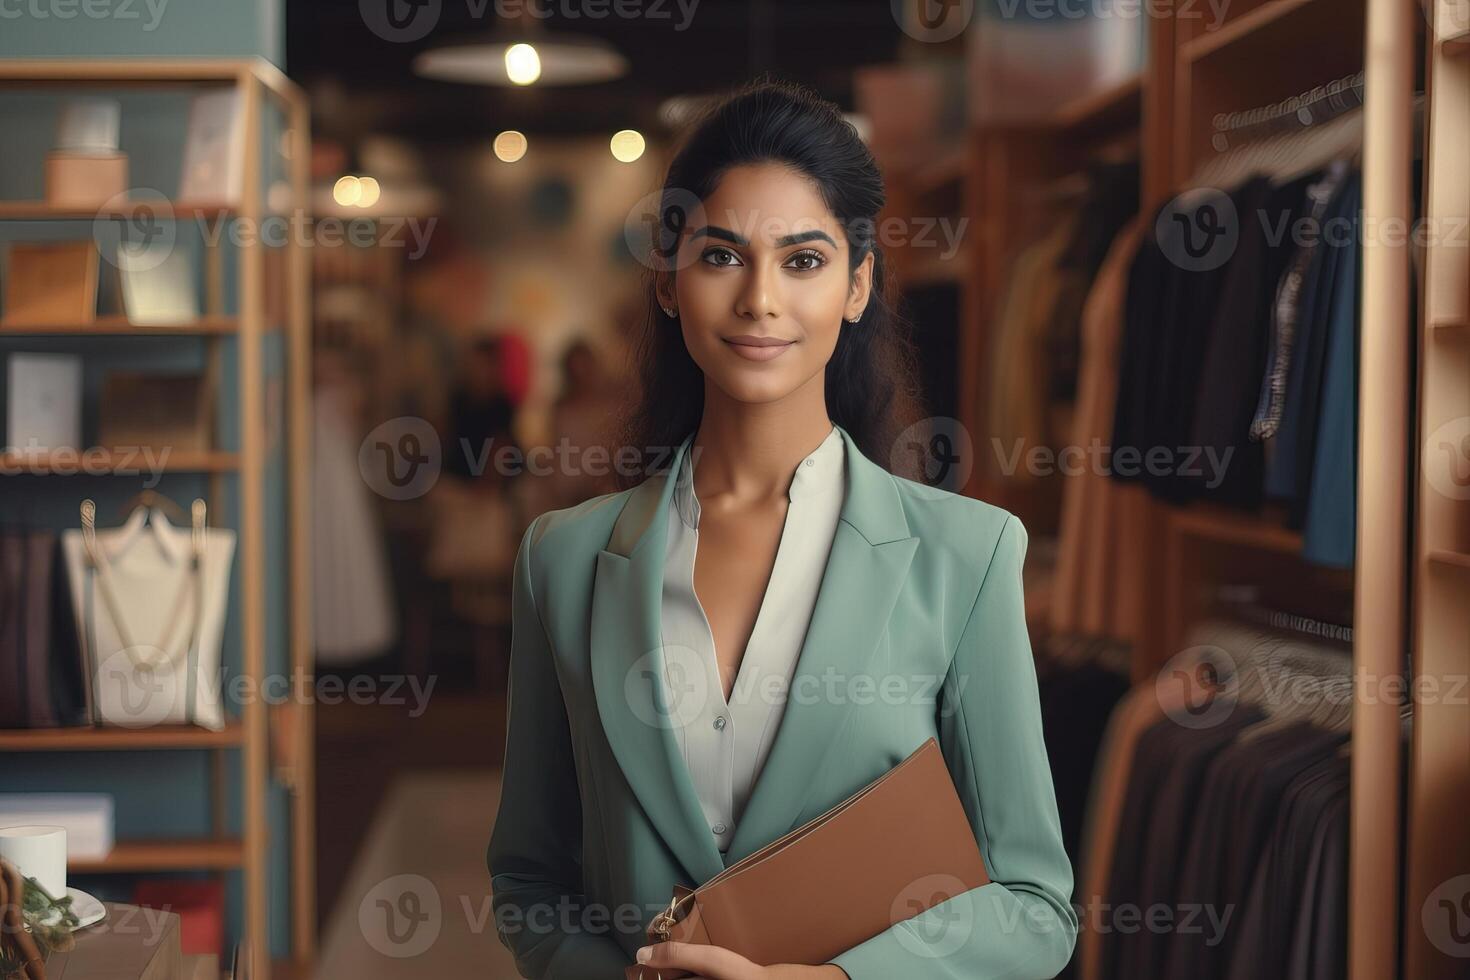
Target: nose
[758,298]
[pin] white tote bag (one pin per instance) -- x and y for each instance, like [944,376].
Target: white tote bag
[149,600]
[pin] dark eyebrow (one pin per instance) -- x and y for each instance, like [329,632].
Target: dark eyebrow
[714,231]
[805,236]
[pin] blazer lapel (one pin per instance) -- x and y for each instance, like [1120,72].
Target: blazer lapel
[869,561]
[627,662]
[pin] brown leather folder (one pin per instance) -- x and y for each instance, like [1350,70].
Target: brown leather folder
[900,845]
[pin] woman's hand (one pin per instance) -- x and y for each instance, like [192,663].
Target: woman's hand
[718,963]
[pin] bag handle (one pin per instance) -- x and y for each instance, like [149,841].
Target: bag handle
[97,559]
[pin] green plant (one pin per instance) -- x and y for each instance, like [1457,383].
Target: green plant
[47,921]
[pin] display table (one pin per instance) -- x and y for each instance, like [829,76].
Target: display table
[132,943]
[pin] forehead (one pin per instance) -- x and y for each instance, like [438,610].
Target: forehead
[766,202]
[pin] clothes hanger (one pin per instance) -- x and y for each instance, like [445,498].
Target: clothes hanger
[1286,139]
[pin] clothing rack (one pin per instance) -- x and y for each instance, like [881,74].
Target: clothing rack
[1340,96]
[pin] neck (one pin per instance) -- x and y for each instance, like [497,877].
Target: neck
[747,453]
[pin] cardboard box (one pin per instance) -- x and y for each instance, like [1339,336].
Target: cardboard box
[76,180]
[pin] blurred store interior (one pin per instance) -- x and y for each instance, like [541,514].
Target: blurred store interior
[1249,463]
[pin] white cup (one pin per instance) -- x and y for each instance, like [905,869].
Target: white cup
[38,852]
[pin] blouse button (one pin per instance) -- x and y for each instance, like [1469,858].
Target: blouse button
[718,828]
[720,723]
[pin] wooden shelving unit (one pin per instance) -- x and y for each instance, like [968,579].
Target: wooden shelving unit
[88,739]
[1438,777]
[120,326]
[1272,15]
[145,207]
[165,855]
[1114,106]
[1407,828]
[262,88]
[117,462]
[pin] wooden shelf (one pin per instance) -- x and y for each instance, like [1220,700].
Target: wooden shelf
[147,73]
[108,462]
[1118,103]
[157,208]
[97,739]
[1113,106]
[1442,556]
[1456,45]
[121,326]
[946,168]
[198,854]
[1245,530]
[1242,28]
[1450,329]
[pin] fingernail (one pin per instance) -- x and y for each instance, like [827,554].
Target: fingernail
[645,953]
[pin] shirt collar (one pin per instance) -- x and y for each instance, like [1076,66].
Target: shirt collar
[820,471]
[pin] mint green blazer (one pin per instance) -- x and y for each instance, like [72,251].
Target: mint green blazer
[919,624]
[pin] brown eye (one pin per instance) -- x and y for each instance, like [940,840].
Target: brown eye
[807,261]
[720,257]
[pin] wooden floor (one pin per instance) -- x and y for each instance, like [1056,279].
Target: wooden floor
[363,749]
[417,901]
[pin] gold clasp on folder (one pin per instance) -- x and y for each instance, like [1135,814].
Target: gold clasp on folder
[663,923]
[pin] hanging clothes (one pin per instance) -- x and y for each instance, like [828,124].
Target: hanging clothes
[353,613]
[1095,590]
[1237,823]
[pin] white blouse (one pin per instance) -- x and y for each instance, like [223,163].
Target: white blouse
[725,744]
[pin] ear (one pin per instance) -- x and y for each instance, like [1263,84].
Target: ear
[663,290]
[861,289]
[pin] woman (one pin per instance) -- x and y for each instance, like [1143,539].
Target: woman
[709,659]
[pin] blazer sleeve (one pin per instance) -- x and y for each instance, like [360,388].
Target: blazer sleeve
[1021,925]
[535,847]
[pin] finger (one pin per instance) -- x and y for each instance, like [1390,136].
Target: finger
[713,962]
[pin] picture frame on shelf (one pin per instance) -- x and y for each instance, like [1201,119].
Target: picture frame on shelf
[155,409]
[156,283]
[50,283]
[214,154]
[44,403]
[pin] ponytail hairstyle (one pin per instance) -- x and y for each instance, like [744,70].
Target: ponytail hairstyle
[871,379]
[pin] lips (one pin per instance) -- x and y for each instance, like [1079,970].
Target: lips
[756,348]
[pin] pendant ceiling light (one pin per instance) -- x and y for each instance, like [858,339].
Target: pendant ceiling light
[525,58]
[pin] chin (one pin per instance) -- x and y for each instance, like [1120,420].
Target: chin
[754,386]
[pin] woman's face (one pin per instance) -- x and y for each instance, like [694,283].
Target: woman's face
[762,286]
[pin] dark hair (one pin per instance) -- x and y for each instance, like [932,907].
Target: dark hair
[871,385]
